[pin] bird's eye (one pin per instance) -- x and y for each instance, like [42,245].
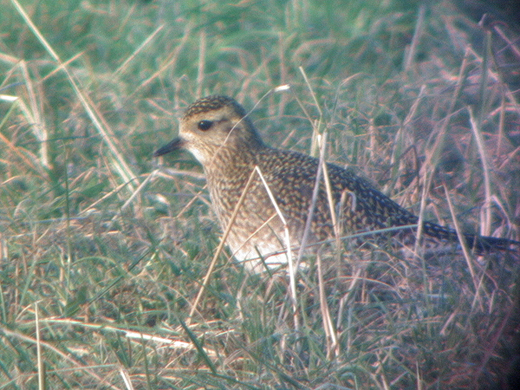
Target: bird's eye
[205,125]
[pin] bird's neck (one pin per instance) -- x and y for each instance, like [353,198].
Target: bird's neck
[227,175]
[231,164]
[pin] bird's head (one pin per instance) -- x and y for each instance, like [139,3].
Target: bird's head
[212,125]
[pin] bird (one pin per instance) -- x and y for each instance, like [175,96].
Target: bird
[263,195]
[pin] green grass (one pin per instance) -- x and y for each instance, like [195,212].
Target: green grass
[103,252]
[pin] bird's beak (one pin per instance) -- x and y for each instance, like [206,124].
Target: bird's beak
[177,143]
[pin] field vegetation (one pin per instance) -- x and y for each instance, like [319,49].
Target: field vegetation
[104,249]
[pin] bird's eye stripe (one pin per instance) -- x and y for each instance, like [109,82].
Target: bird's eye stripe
[205,125]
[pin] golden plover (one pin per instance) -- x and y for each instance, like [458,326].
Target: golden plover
[217,131]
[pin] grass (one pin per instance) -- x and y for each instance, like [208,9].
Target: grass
[103,252]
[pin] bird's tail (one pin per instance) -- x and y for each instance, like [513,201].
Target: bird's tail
[480,244]
[484,244]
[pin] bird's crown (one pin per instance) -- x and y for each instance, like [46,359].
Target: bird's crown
[212,103]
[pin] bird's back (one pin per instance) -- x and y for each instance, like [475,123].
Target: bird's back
[357,205]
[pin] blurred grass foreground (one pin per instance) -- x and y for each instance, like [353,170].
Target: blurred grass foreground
[103,251]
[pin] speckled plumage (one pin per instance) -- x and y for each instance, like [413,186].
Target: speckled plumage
[221,136]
